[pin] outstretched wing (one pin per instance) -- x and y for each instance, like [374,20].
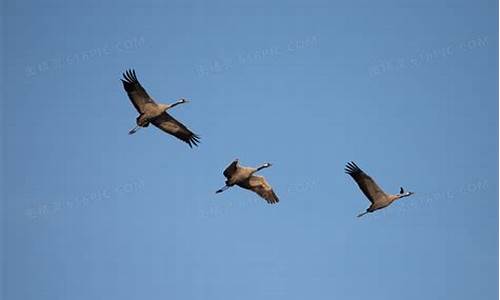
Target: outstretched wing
[171,126]
[135,91]
[231,169]
[259,185]
[369,187]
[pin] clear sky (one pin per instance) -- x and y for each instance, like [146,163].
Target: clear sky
[407,89]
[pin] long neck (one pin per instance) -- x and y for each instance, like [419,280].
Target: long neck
[176,103]
[394,197]
[399,196]
[261,167]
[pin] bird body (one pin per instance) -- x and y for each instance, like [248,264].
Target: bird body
[382,202]
[155,113]
[244,177]
[240,175]
[153,110]
[149,112]
[378,198]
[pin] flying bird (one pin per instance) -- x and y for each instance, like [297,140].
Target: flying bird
[372,191]
[155,113]
[244,177]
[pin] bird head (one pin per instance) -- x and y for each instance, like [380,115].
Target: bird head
[267,165]
[402,193]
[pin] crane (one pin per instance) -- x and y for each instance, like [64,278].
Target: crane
[155,113]
[378,198]
[245,177]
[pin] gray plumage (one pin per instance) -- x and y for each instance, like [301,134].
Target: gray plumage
[155,113]
[378,198]
[244,177]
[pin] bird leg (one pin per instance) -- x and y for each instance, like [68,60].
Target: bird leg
[222,189]
[134,130]
[362,214]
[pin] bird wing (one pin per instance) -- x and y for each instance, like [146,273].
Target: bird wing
[171,126]
[259,185]
[369,187]
[231,169]
[137,94]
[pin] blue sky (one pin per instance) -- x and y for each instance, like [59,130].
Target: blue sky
[407,89]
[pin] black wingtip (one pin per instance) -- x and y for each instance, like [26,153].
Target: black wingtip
[130,76]
[351,168]
[193,140]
